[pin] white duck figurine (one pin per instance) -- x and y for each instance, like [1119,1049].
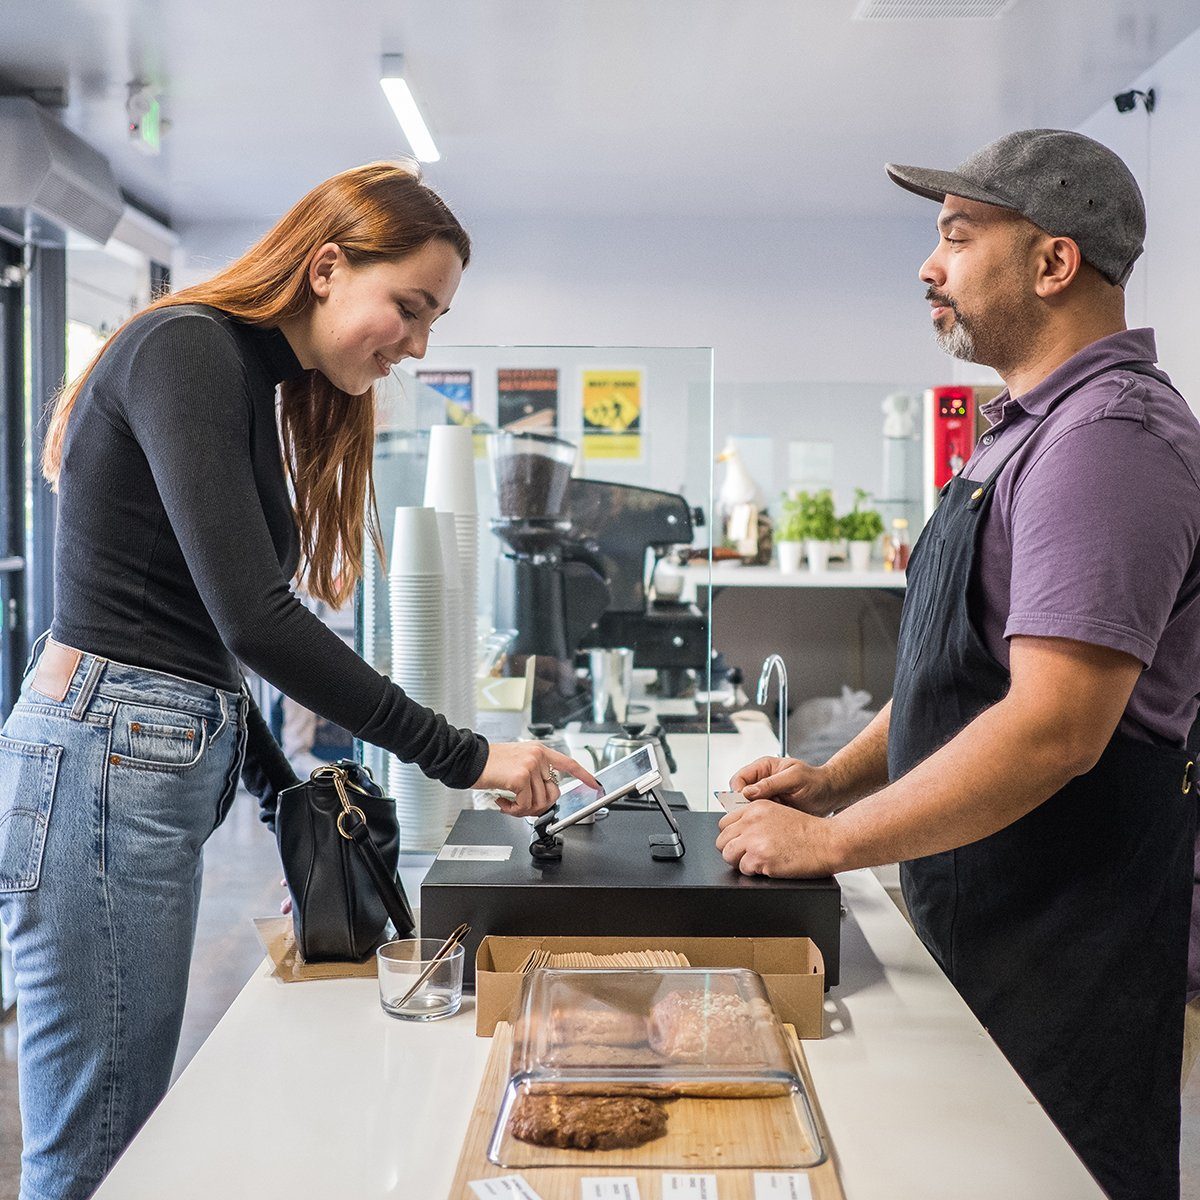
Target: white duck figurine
[738,486]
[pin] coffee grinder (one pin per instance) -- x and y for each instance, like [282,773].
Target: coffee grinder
[550,590]
[574,572]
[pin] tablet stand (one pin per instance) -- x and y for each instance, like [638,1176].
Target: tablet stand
[666,847]
[546,847]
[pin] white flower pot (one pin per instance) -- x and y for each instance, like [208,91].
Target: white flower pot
[818,555]
[790,554]
[860,556]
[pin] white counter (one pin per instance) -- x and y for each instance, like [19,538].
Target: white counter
[725,574]
[311,1091]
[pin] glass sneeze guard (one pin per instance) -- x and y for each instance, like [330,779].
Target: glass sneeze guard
[500,637]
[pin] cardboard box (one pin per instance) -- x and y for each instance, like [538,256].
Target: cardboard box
[791,968]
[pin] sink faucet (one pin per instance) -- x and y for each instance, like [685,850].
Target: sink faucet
[776,663]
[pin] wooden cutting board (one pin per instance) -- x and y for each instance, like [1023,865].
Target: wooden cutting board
[707,1125]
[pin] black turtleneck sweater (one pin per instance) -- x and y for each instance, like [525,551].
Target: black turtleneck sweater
[176,538]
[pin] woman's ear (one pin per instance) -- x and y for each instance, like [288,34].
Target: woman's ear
[321,268]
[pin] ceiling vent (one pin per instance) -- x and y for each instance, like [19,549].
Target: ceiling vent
[931,10]
[46,168]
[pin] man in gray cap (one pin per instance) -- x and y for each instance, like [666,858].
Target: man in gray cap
[1030,772]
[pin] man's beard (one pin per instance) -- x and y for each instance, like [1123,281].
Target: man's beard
[1003,336]
[956,341]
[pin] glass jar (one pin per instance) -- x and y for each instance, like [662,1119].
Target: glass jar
[896,548]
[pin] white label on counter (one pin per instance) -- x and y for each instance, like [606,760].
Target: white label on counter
[782,1185]
[475,853]
[505,1187]
[611,1187]
[689,1187]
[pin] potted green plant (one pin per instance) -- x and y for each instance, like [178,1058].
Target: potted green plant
[810,519]
[861,527]
[789,535]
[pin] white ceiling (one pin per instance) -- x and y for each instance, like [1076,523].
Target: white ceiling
[576,107]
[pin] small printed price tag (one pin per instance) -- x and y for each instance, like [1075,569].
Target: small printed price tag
[611,1187]
[475,853]
[782,1185]
[505,1187]
[689,1187]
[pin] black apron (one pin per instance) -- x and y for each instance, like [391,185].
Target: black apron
[1067,931]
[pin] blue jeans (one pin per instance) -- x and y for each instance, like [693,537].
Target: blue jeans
[106,800]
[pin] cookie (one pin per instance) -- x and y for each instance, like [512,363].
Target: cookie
[587,1122]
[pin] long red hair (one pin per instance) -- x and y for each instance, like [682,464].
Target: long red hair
[378,211]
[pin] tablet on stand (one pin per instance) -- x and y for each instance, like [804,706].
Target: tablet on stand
[636,773]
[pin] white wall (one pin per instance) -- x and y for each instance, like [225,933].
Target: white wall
[1162,151]
[781,302]
[795,300]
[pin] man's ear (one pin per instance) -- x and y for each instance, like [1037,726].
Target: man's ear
[1058,263]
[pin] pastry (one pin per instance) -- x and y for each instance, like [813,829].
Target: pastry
[700,1027]
[597,1024]
[587,1122]
[578,1055]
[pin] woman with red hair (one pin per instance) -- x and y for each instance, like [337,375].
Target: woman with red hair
[188,505]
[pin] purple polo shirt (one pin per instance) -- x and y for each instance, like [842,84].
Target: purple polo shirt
[1094,529]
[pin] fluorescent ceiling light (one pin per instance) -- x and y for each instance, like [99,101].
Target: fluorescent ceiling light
[930,10]
[396,89]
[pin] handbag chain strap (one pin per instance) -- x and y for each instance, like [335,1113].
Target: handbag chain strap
[393,897]
[340,782]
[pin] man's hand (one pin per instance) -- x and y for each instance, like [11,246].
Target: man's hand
[788,781]
[769,839]
[1065,700]
[529,770]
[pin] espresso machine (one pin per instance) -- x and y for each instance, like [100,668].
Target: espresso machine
[620,524]
[573,573]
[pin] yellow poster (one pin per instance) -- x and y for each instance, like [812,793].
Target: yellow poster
[612,414]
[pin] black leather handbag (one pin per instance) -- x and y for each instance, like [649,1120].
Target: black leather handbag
[339,842]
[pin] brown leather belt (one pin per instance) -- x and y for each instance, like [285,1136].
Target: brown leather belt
[55,670]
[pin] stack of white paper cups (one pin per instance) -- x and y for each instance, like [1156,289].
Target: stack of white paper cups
[372,586]
[450,488]
[457,671]
[418,604]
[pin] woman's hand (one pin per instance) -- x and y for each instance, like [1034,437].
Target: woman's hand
[787,781]
[530,771]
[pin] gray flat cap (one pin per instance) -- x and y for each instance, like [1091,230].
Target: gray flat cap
[1065,183]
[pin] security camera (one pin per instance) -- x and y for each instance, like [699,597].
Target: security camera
[1127,101]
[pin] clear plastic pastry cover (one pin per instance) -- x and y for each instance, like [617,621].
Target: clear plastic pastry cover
[706,1045]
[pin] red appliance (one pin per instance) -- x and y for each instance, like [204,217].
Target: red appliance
[949,437]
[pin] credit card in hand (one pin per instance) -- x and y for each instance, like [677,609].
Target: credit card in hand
[731,800]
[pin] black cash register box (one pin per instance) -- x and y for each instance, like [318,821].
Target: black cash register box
[607,885]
